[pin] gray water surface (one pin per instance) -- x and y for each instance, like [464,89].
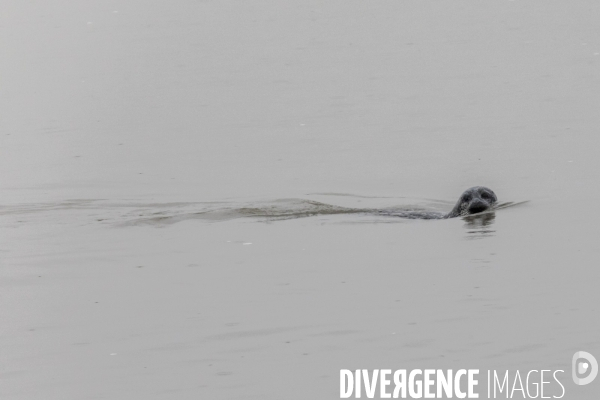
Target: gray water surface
[138,140]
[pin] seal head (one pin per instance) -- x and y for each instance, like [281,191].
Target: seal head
[473,201]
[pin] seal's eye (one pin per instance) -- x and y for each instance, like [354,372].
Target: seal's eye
[486,196]
[467,197]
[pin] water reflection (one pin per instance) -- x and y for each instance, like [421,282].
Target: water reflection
[480,226]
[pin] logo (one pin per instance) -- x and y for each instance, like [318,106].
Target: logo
[584,364]
[463,383]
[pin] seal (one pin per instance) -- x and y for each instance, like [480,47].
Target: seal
[473,201]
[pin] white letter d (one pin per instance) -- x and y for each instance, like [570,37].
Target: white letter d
[346,390]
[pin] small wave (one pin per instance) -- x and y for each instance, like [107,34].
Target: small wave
[270,211]
[161,214]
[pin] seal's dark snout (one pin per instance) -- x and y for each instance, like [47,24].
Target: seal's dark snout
[477,206]
[474,200]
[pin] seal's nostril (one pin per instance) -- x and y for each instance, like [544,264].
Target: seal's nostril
[477,207]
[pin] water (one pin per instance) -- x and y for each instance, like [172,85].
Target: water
[122,123]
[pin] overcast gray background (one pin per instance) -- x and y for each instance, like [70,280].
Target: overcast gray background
[112,112]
